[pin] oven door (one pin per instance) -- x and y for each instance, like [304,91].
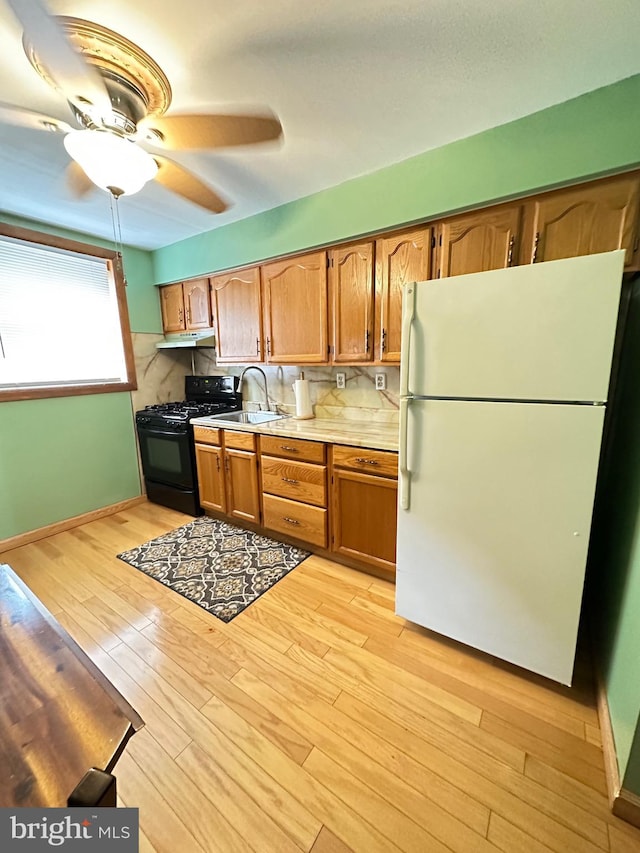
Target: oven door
[167,456]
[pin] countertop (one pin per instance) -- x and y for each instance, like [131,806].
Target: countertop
[379,436]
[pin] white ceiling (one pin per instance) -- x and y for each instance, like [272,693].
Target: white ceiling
[357,85]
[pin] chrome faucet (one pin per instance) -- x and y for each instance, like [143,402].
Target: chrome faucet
[266,392]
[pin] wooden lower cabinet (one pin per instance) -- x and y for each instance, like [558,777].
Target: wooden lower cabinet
[351,515]
[241,473]
[294,488]
[364,518]
[228,476]
[211,479]
[294,518]
[298,481]
[364,506]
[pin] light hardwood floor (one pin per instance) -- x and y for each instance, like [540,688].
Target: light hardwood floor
[318,720]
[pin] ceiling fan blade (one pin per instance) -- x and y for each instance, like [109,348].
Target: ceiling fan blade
[183,132]
[78,81]
[184,183]
[10,114]
[78,182]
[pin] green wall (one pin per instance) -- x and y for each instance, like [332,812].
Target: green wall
[590,135]
[615,565]
[70,455]
[64,457]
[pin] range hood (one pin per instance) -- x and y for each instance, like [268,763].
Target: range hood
[202,338]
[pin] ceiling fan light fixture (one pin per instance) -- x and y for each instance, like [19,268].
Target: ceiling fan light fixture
[113,163]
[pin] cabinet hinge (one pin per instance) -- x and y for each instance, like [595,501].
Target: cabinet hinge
[433,242]
[636,244]
[439,274]
[440,241]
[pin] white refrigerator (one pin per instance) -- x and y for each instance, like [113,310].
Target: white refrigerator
[504,379]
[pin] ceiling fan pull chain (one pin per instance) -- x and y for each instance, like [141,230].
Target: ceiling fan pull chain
[117,232]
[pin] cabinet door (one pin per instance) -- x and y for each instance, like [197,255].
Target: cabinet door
[364,518]
[295,309]
[196,303]
[399,259]
[351,300]
[242,485]
[477,242]
[600,217]
[210,477]
[237,316]
[172,305]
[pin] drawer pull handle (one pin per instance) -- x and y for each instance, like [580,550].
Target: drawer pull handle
[287,480]
[290,449]
[364,461]
[289,520]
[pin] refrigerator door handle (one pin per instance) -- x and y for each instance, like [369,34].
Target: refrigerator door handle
[408,313]
[403,469]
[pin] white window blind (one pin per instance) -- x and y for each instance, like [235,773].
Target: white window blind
[59,318]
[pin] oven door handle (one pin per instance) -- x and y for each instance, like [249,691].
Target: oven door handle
[152,431]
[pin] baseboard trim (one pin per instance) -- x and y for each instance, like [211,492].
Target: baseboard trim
[67,524]
[624,804]
[627,807]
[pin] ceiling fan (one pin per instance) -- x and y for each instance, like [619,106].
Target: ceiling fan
[118,96]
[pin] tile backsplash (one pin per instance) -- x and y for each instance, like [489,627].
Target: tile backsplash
[160,373]
[359,400]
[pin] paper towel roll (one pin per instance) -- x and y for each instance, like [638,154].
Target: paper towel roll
[303,399]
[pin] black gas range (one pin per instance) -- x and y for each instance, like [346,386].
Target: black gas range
[166,439]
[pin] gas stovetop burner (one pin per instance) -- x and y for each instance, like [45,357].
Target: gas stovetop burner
[185,410]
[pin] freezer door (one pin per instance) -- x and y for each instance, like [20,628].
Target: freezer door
[537,332]
[493,546]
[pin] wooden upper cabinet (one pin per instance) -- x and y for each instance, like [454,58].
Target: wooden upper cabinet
[172,305]
[597,217]
[185,305]
[351,303]
[237,316]
[294,296]
[399,259]
[479,241]
[196,303]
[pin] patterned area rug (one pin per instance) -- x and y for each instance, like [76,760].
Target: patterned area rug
[215,564]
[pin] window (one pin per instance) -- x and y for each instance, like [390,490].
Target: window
[64,327]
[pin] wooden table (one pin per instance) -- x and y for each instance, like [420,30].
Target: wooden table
[59,715]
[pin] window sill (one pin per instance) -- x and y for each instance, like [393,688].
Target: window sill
[10,394]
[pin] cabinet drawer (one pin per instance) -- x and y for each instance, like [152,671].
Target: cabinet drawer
[292,448]
[239,440]
[302,521]
[301,481]
[206,435]
[383,462]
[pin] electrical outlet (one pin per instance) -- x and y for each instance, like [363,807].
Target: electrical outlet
[381,381]
[341,380]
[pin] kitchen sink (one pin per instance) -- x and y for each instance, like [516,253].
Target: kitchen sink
[248,417]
